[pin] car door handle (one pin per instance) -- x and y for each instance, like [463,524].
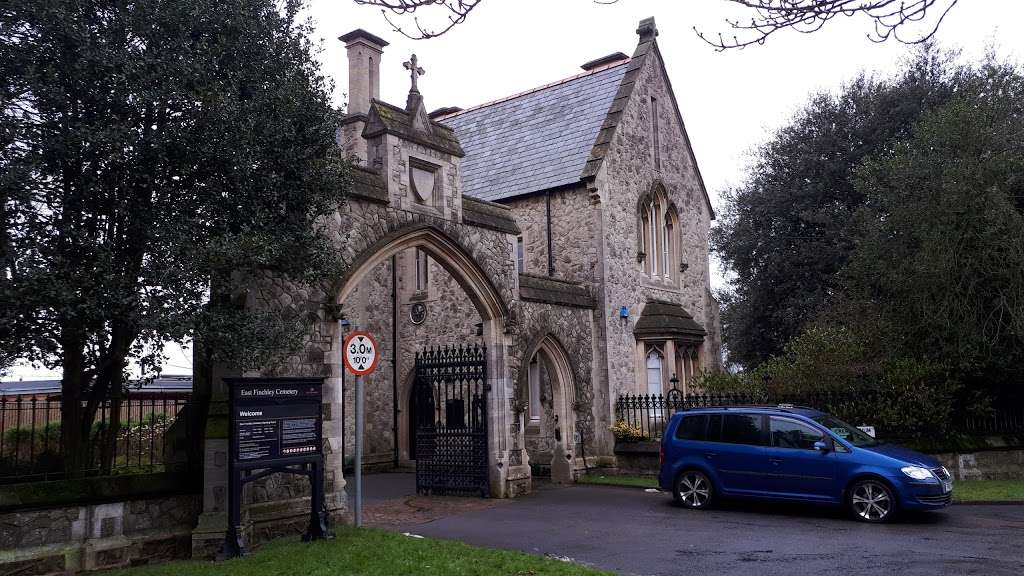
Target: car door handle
[775,460]
[709,455]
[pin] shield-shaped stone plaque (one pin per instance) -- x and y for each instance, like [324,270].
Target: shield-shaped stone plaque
[423,184]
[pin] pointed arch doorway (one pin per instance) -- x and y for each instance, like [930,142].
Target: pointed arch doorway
[548,389]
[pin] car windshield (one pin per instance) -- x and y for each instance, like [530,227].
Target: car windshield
[851,434]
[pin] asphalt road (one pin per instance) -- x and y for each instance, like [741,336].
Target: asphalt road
[632,532]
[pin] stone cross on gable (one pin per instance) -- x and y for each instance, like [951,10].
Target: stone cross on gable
[414,71]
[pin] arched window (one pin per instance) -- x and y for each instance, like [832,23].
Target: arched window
[534,383]
[657,235]
[655,361]
[655,219]
[666,240]
[645,240]
[422,269]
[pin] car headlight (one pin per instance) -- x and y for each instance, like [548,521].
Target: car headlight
[916,472]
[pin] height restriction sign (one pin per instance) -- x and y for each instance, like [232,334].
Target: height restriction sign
[360,353]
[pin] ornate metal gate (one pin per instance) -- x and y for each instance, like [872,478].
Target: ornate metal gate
[451,421]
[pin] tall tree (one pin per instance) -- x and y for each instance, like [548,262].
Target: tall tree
[785,233]
[151,149]
[940,249]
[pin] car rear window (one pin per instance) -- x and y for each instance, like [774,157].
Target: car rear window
[742,429]
[692,427]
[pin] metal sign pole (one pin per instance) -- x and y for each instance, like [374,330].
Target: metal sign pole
[359,353]
[359,451]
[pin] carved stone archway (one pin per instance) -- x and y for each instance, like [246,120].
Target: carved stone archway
[553,355]
[493,310]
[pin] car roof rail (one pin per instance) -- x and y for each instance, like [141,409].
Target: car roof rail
[783,407]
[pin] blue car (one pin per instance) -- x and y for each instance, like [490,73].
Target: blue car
[794,453]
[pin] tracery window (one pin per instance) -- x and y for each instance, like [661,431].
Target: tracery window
[658,228]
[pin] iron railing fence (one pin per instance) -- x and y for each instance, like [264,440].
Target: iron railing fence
[153,434]
[644,416]
[1002,420]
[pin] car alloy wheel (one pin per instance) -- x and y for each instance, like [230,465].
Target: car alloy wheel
[871,501]
[693,489]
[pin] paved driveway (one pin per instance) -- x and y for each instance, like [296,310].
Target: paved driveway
[632,532]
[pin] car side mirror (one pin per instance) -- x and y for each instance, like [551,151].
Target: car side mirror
[821,446]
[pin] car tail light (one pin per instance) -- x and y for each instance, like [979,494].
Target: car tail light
[661,455]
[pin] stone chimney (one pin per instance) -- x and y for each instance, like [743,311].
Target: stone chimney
[364,53]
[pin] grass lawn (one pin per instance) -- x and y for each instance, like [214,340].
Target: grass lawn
[619,480]
[988,490]
[370,552]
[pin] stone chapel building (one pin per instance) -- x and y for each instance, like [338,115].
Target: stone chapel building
[596,186]
[564,228]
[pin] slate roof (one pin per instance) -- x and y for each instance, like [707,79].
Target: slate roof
[536,140]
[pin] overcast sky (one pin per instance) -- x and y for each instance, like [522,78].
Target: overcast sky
[730,101]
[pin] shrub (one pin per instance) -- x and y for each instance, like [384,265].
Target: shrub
[722,382]
[834,369]
[626,432]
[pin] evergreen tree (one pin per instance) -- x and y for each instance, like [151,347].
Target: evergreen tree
[785,233]
[151,149]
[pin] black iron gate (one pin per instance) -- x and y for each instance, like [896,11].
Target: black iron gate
[451,421]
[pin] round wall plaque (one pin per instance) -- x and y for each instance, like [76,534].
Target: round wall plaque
[418,313]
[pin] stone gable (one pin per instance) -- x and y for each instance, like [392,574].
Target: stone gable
[627,172]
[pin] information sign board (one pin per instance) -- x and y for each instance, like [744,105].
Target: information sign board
[275,419]
[274,426]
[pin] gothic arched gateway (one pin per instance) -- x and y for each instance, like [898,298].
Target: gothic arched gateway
[488,363]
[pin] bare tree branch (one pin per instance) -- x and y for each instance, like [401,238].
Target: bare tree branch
[889,18]
[455,12]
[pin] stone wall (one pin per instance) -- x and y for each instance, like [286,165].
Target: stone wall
[98,536]
[985,465]
[575,236]
[640,458]
[572,234]
[530,213]
[712,317]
